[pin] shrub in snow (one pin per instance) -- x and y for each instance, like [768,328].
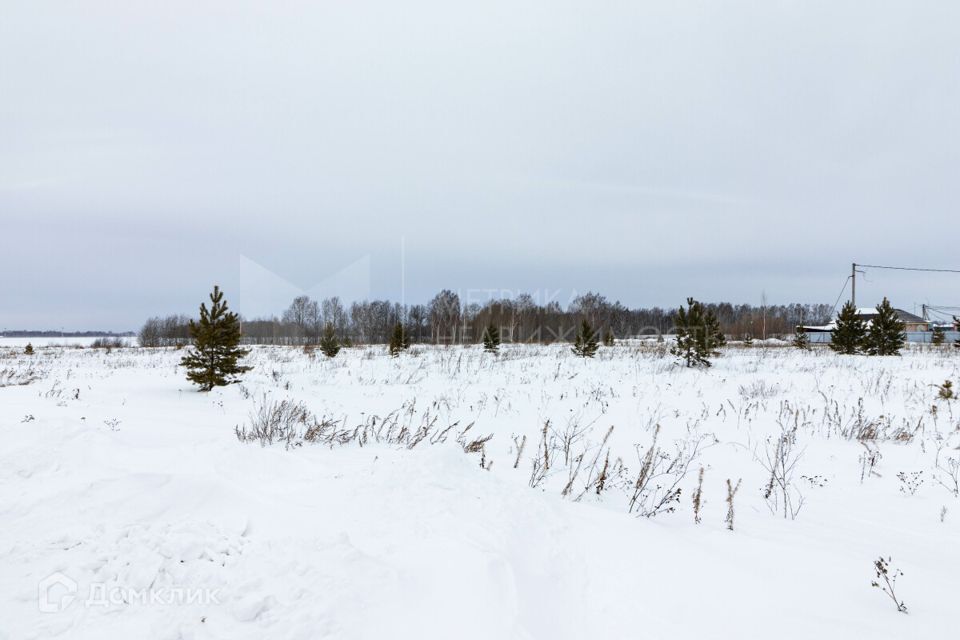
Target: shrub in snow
[945,391]
[10,377]
[284,421]
[108,344]
[698,498]
[476,445]
[886,580]
[869,460]
[731,493]
[910,482]
[293,424]
[780,461]
[541,461]
[519,444]
[657,487]
[948,474]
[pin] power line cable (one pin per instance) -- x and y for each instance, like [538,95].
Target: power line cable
[878,266]
[845,283]
[939,314]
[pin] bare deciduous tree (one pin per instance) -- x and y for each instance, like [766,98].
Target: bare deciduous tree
[445,316]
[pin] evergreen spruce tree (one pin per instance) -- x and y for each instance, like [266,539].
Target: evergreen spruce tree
[586,343]
[399,340]
[698,335]
[939,336]
[329,344]
[886,335]
[748,340]
[491,339]
[849,331]
[713,337]
[29,349]
[685,326]
[213,362]
[608,338]
[801,340]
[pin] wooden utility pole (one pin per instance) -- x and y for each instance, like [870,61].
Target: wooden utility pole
[853,284]
[763,307]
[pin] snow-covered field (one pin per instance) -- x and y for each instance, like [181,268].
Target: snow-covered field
[131,509]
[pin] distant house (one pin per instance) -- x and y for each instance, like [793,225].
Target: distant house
[910,321]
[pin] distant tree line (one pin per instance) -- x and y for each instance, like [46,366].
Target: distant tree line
[165,332]
[30,333]
[446,319]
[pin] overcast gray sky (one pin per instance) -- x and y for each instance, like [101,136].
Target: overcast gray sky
[646,150]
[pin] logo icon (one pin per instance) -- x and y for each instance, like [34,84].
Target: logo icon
[56,592]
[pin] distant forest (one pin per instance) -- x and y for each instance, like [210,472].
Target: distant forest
[30,333]
[446,320]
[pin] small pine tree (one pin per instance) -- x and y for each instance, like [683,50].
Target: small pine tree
[491,339]
[886,336]
[29,349]
[748,340]
[213,362]
[849,331]
[939,336]
[713,337]
[685,345]
[586,343]
[608,338]
[329,343]
[801,340]
[945,391]
[698,335]
[399,340]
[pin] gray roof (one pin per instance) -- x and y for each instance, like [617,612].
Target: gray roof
[905,316]
[868,314]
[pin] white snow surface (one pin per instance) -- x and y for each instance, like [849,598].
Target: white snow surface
[118,475]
